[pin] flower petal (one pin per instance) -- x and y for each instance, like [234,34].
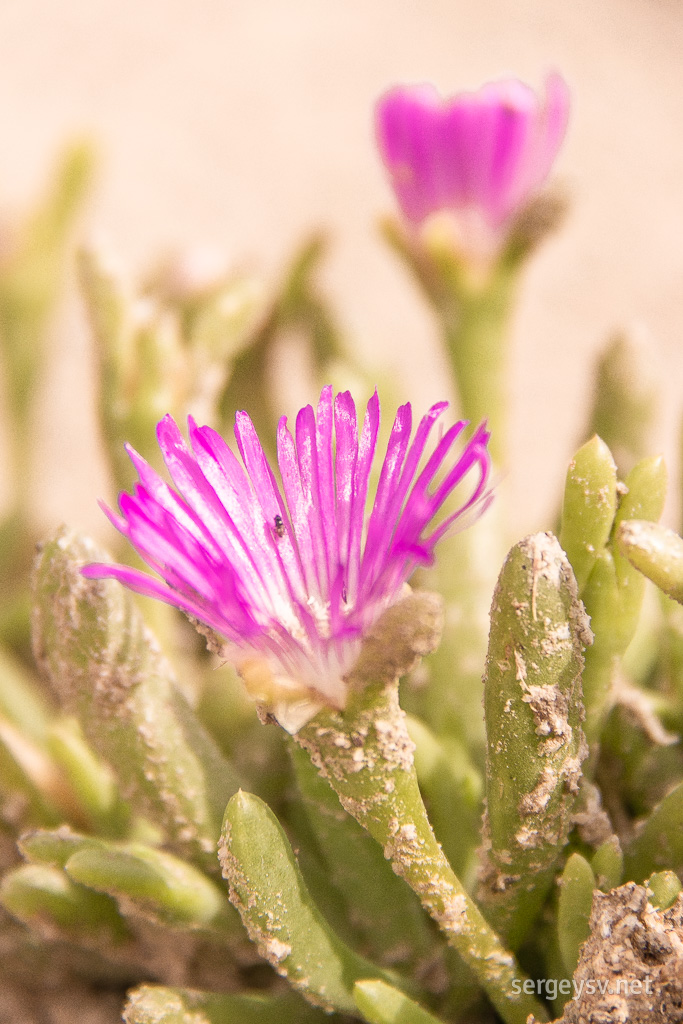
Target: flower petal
[361,479]
[481,153]
[289,575]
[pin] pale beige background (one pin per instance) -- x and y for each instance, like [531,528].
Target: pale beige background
[244,124]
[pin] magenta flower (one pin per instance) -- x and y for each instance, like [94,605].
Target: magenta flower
[292,576]
[479,155]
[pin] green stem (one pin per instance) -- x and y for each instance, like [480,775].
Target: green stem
[366,755]
[475,338]
[473,312]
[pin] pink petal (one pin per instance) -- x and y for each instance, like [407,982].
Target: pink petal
[273,566]
[376,555]
[361,479]
[486,151]
[324,427]
[298,505]
[346,434]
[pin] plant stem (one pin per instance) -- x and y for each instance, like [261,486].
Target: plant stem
[473,307]
[366,755]
[474,327]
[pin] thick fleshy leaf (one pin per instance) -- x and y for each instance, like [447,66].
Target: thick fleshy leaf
[383,1004]
[106,668]
[267,888]
[156,1004]
[576,898]
[535,742]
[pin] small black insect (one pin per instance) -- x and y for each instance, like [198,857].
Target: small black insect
[279,526]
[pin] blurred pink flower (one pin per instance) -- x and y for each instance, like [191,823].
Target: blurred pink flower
[479,155]
[292,576]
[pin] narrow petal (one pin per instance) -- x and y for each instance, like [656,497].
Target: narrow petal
[390,475]
[148,586]
[168,499]
[346,434]
[165,546]
[475,457]
[270,500]
[324,428]
[258,469]
[297,503]
[118,522]
[361,479]
[406,124]
[476,453]
[376,554]
[422,507]
[307,456]
[274,560]
[513,136]
[553,120]
[456,153]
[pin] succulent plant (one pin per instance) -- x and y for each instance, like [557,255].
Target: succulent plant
[344,795]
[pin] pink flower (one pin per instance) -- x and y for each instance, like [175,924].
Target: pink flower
[479,155]
[292,576]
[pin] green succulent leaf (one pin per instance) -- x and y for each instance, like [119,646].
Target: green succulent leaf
[92,781]
[26,768]
[666,887]
[155,1004]
[383,1004]
[574,908]
[156,884]
[298,307]
[533,706]
[30,280]
[21,701]
[39,894]
[614,592]
[464,575]
[658,844]
[105,667]
[55,847]
[365,753]
[277,910]
[654,551]
[608,864]
[589,507]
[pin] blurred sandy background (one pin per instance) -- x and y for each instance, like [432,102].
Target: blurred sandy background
[245,124]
